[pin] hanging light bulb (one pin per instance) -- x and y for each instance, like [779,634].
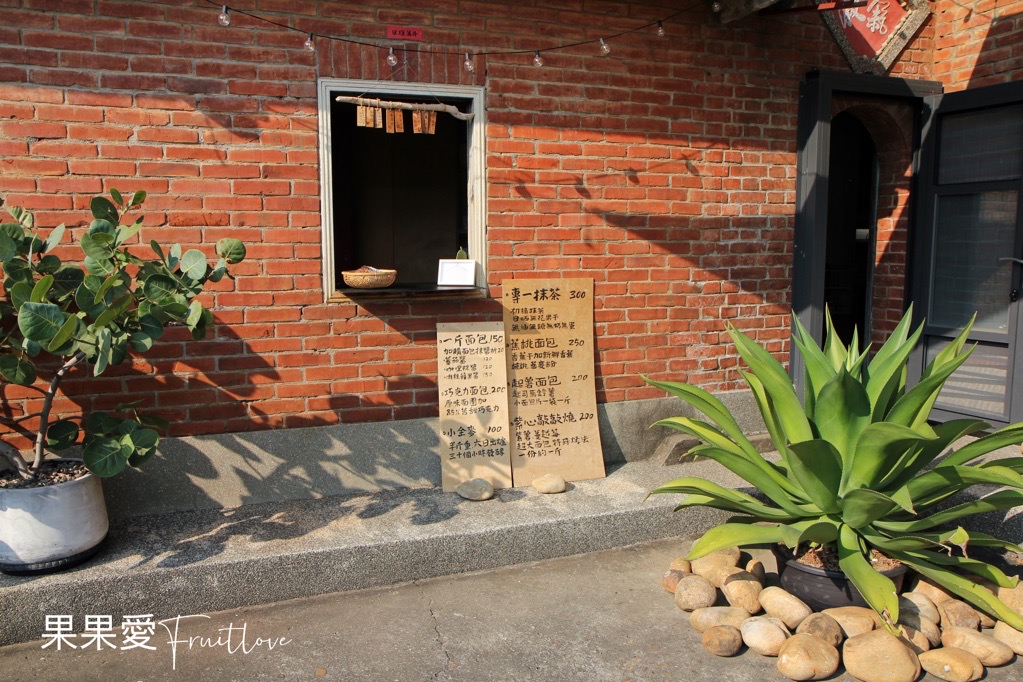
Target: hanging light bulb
[715,7]
[660,28]
[537,59]
[310,43]
[469,66]
[604,47]
[392,58]
[224,18]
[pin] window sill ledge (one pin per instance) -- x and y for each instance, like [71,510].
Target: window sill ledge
[417,292]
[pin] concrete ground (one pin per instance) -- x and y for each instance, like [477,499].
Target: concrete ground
[598,616]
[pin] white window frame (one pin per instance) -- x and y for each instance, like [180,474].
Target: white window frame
[476,191]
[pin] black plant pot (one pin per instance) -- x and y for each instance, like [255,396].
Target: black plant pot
[822,589]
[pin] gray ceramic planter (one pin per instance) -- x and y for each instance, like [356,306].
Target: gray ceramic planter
[52,527]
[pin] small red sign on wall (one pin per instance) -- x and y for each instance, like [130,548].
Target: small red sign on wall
[404,33]
[868,28]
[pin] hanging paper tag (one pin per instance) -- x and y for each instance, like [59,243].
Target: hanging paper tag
[399,121]
[417,122]
[389,120]
[378,120]
[431,122]
[360,116]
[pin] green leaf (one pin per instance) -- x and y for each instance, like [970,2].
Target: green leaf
[41,288]
[18,270]
[841,413]
[62,434]
[863,506]
[153,421]
[817,466]
[159,288]
[21,293]
[126,232]
[137,198]
[40,321]
[739,501]
[877,590]
[101,267]
[54,238]
[1010,435]
[740,535]
[143,444]
[880,447]
[193,265]
[102,209]
[157,250]
[116,196]
[17,370]
[108,284]
[834,349]
[66,280]
[230,249]
[818,370]
[8,247]
[941,483]
[103,354]
[104,457]
[174,257]
[820,531]
[48,265]
[151,326]
[64,334]
[761,480]
[916,460]
[1005,499]
[98,246]
[140,341]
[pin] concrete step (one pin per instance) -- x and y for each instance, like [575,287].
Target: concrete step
[203,561]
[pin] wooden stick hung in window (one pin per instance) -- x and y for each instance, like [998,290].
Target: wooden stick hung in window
[405,106]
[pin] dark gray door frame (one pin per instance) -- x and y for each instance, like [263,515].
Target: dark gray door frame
[816,93]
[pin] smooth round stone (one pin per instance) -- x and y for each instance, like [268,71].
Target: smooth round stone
[722,640]
[807,657]
[671,578]
[476,489]
[854,620]
[741,589]
[681,564]
[959,614]
[822,626]
[931,591]
[925,626]
[990,651]
[694,592]
[917,602]
[1012,597]
[550,484]
[879,656]
[764,634]
[1008,635]
[952,664]
[708,566]
[784,606]
[757,568]
[914,639]
[701,619]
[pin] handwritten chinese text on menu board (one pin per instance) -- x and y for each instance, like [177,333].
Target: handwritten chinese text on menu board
[551,395]
[473,387]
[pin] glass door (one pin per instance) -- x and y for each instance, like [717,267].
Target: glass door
[970,251]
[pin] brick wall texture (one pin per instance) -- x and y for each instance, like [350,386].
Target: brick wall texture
[665,171]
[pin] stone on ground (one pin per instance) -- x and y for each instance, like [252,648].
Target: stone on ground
[854,620]
[722,640]
[694,592]
[917,602]
[807,657]
[955,613]
[757,568]
[701,619]
[930,590]
[681,564]
[990,651]
[550,484]
[741,589]
[764,634]
[671,578]
[823,626]
[787,607]
[708,566]
[1008,635]
[879,656]
[952,664]
[476,489]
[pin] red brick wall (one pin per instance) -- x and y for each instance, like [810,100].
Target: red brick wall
[979,43]
[665,171]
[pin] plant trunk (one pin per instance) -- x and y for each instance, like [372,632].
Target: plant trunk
[44,415]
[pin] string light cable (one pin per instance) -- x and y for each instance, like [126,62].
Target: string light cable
[604,42]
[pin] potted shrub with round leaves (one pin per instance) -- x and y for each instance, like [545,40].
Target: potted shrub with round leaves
[853,471]
[61,318]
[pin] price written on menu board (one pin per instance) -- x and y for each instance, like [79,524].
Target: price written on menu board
[551,395]
[473,389]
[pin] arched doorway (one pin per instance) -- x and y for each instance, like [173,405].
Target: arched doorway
[852,217]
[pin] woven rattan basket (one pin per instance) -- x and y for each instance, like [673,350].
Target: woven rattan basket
[369,278]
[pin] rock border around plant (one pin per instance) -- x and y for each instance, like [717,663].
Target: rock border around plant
[735,608]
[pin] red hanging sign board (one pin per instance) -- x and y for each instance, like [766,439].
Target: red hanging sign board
[868,28]
[404,33]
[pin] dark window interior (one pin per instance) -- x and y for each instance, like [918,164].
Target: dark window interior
[400,199]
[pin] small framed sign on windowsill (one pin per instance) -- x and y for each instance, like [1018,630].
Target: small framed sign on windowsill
[456,272]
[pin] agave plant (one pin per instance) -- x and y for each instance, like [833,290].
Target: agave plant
[855,466]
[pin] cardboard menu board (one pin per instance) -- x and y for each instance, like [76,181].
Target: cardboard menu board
[473,389]
[551,395]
